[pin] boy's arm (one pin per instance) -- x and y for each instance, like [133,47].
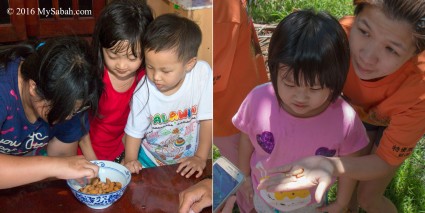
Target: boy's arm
[205,139]
[86,148]
[132,146]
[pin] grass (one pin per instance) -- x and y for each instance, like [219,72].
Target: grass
[407,189]
[273,11]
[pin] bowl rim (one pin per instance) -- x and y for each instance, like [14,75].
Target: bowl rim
[126,176]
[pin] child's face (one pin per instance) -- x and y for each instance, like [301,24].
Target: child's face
[379,45]
[41,107]
[304,100]
[166,71]
[120,61]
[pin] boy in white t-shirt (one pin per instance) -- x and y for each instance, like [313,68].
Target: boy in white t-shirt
[171,111]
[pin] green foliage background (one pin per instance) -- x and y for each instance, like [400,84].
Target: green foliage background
[272,11]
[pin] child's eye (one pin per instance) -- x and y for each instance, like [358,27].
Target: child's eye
[112,57]
[315,88]
[132,59]
[288,85]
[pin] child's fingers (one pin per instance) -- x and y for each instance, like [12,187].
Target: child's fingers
[138,167]
[190,173]
[321,189]
[134,166]
[193,170]
[181,166]
[187,169]
[200,172]
[92,169]
[184,162]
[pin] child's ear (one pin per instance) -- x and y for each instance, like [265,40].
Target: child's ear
[32,88]
[190,64]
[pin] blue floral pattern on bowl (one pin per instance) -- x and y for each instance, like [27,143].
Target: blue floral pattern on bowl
[107,169]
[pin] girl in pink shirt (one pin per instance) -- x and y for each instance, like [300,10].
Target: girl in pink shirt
[300,113]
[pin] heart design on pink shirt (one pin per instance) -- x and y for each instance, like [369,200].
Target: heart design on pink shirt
[266,141]
[324,151]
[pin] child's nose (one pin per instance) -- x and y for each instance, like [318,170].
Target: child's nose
[156,76]
[121,65]
[301,94]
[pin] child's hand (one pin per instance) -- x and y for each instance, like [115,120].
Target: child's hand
[247,190]
[74,167]
[334,207]
[134,166]
[193,164]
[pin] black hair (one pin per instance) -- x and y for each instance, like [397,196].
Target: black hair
[411,11]
[311,45]
[170,31]
[121,20]
[63,71]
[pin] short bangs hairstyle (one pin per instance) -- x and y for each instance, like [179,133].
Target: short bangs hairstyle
[121,20]
[311,45]
[173,32]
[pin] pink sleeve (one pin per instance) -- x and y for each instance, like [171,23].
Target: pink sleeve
[242,119]
[356,137]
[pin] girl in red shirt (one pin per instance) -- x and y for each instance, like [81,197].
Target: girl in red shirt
[117,42]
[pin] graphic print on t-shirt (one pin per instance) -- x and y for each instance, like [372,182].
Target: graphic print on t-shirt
[174,135]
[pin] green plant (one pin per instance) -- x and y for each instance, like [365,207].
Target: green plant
[272,11]
[216,153]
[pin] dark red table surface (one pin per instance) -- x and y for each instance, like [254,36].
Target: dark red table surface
[152,190]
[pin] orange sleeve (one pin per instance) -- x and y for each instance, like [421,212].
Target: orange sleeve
[402,134]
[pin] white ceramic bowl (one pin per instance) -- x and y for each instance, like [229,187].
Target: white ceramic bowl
[107,169]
